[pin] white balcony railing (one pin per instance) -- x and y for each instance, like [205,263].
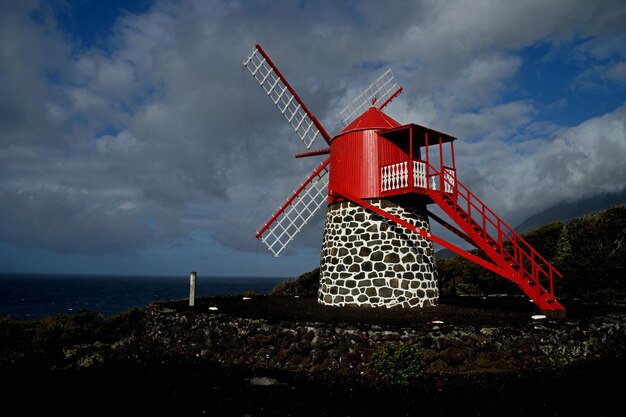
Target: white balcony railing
[419,174]
[394,176]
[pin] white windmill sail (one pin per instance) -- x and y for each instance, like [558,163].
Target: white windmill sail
[303,122]
[280,230]
[384,89]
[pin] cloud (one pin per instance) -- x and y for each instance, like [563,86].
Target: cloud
[601,77]
[500,121]
[589,157]
[617,72]
[524,177]
[31,55]
[157,133]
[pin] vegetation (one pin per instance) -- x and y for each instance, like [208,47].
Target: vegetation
[306,285]
[397,363]
[589,251]
[591,255]
[31,344]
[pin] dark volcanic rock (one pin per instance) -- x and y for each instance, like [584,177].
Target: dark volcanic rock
[285,356]
[470,336]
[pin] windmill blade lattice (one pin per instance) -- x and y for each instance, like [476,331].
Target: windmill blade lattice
[284,226]
[303,122]
[384,89]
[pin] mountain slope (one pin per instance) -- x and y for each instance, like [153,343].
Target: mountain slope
[565,211]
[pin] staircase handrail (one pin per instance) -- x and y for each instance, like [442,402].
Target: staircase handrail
[520,246]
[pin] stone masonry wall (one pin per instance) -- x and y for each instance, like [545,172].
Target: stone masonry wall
[318,348]
[369,261]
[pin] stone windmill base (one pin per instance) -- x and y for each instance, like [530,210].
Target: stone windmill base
[369,261]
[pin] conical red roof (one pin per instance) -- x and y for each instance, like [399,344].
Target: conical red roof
[373,118]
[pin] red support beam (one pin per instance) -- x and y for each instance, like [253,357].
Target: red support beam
[494,268]
[451,228]
[324,151]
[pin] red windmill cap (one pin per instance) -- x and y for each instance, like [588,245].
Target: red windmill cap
[373,118]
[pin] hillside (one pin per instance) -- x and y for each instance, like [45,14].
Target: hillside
[590,252]
[568,210]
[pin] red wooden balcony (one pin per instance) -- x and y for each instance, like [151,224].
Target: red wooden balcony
[415,176]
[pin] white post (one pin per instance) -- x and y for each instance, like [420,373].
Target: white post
[192,289]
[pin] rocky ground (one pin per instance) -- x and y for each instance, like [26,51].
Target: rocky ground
[235,357]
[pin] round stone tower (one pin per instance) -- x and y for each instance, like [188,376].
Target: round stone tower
[366,259]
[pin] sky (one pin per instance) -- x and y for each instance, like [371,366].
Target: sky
[132,141]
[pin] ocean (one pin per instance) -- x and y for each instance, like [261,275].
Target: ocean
[31,296]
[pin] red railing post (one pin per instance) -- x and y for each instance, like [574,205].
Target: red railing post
[500,232]
[442,183]
[427,157]
[484,219]
[411,173]
[452,153]
[536,278]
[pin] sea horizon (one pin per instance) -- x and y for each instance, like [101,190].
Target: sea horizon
[37,295]
[136,275]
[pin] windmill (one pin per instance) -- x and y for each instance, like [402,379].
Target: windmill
[376,183]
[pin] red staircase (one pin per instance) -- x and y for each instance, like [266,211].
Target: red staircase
[518,261]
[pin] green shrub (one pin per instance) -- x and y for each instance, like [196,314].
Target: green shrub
[40,344]
[249,294]
[64,329]
[125,324]
[306,285]
[591,255]
[397,364]
[16,343]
